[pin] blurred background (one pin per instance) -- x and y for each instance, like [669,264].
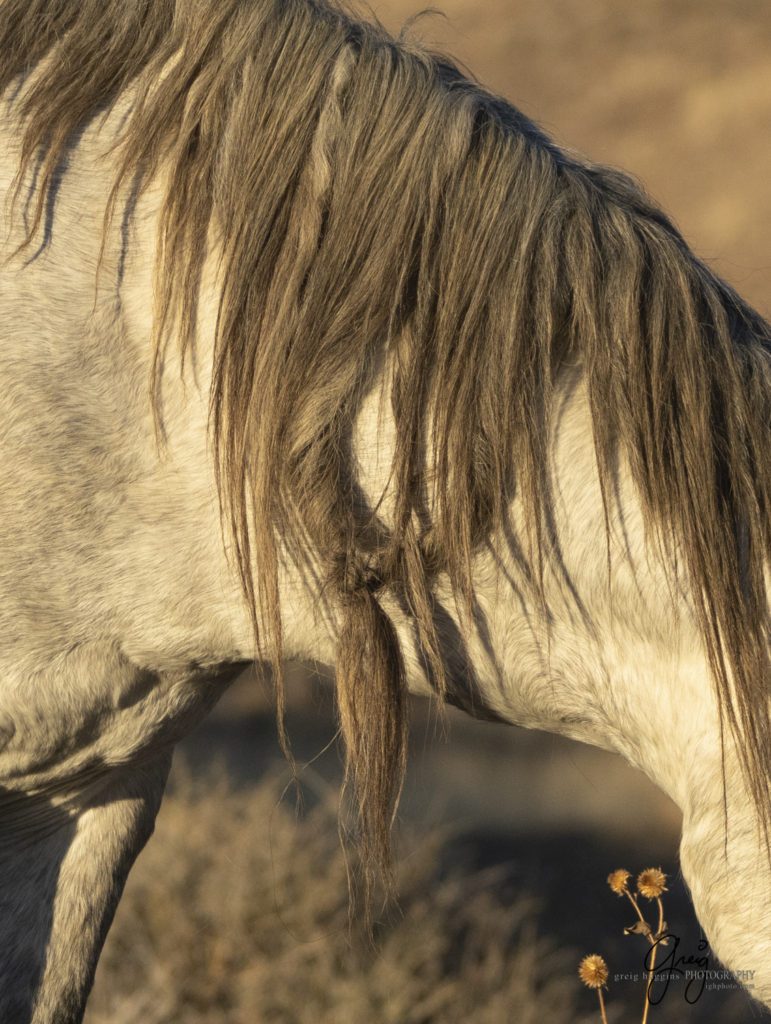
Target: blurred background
[675,92]
[236,911]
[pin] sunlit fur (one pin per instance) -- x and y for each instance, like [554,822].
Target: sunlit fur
[356,248]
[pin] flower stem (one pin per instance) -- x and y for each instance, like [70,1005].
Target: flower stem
[602,1006]
[654,951]
[636,906]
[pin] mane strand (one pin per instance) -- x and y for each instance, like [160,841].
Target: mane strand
[374,211]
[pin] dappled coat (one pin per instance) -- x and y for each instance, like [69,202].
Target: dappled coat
[312,348]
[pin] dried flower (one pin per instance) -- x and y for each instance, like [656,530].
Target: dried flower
[651,883]
[593,971]
[638,928]
[618,881]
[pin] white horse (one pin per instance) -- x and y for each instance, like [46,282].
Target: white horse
[311,348]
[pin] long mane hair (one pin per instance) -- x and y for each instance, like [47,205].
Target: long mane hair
[374,211]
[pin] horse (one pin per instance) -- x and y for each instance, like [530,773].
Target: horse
[312,348]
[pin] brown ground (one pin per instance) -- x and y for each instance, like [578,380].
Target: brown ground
[678,92]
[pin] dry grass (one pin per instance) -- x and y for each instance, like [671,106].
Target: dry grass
[237,912]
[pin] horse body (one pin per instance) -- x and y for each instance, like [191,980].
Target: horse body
[89,708]
[123,615]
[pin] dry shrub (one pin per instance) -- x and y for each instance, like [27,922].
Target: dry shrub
[238,912]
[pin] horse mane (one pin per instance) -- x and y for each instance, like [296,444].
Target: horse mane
[375,211]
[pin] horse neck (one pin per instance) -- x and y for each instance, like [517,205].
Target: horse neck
[610,653]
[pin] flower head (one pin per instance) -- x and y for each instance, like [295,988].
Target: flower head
[617,880]
[593,971]
[651,883]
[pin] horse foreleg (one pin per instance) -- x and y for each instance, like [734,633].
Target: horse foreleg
[726,864]
[62,870]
